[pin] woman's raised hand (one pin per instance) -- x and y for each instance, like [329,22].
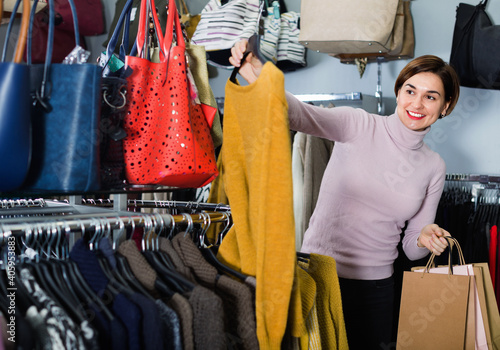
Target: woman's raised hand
[251,68]
[432,237]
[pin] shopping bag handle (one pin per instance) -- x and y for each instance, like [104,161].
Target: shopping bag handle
[451,242]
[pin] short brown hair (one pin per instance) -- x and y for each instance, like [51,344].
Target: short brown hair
[432,64]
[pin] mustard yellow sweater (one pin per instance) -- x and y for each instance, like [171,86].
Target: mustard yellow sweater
[257,180]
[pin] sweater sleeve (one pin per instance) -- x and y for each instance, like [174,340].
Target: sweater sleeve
[340,124]
[426,214]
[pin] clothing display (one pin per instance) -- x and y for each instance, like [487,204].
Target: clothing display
[310,156]
[471,211]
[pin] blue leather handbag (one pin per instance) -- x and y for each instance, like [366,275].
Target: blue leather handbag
[65,119]
[15,124]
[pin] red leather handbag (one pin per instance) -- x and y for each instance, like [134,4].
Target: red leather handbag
[168,138]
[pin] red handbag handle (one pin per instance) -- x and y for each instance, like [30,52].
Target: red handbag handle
[173,16]
[141,30]
[165,42]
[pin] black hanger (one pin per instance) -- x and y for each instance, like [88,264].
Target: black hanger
[158,261]
[209,255]
[172,278]
[84,289]
[50,284]
[253,47]
[124,272]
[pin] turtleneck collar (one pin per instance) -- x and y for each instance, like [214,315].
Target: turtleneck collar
[402,135]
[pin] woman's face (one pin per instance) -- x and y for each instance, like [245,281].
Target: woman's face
[421,101]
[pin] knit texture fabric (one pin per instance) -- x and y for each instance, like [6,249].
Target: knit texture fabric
[257,177]
[329,302]
[236,297]
[181,306]
[139,265]
[208,319]
[166,247]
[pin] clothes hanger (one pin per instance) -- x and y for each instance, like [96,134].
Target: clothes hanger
[73,278]
[210,256]
[170,276]
[50,283]
[253,46]
[121,277]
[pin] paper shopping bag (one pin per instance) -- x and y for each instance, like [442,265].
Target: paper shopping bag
[477,339]
[434,311]
[489,305]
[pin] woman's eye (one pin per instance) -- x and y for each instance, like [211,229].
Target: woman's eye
[410,92]
[431,98]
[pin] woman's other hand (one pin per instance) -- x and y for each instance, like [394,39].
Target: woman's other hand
[250,69]
[432,237]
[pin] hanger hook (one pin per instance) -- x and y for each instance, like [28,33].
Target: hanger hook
[189,220]
[203,234]
[226,228]
[121,231]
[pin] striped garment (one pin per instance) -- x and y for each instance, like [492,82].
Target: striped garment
[221,26]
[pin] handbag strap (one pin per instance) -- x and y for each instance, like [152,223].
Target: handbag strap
[148,6]
[124,19]
[173,25]
[23,31]
[182,9]
[43,94]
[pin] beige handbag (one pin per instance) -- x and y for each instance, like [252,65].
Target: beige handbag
[349,26]
[403,44]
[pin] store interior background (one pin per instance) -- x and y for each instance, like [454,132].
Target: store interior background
[468,139]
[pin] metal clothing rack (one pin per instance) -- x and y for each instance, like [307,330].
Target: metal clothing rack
[483,179]
[159,204]
[75,220]
[479,185]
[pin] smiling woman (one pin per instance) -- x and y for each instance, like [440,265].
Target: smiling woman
[425,87]
[381,178]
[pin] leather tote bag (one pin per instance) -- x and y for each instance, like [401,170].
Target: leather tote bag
[348,26]
[476,47]
[168,139]
[15,124]
[65,118]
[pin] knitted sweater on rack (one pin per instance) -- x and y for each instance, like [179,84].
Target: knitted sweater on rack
[380,175]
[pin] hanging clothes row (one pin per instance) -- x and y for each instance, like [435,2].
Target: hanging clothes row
[469,210]
[159,288]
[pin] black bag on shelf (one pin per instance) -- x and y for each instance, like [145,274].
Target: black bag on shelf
[476,47]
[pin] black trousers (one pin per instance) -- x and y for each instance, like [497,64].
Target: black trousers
[369,313]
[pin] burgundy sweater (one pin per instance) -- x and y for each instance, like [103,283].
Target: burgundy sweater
[380,175]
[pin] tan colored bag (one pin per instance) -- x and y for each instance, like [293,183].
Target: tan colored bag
[404,34]
[348,26]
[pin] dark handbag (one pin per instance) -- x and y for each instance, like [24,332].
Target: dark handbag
[65,118]
[476,47]
[161,10]
[15,125]
[114,105]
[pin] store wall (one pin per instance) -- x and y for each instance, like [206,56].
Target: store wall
[468,139]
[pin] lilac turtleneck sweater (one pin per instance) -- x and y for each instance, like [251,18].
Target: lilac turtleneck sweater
[380,175]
